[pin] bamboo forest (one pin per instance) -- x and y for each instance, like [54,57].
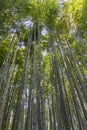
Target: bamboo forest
[43,64]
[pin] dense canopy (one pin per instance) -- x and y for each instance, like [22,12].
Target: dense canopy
[43,65]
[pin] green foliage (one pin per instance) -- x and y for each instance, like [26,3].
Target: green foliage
[51,13]
[20,57]
[54,55]
[4,48]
